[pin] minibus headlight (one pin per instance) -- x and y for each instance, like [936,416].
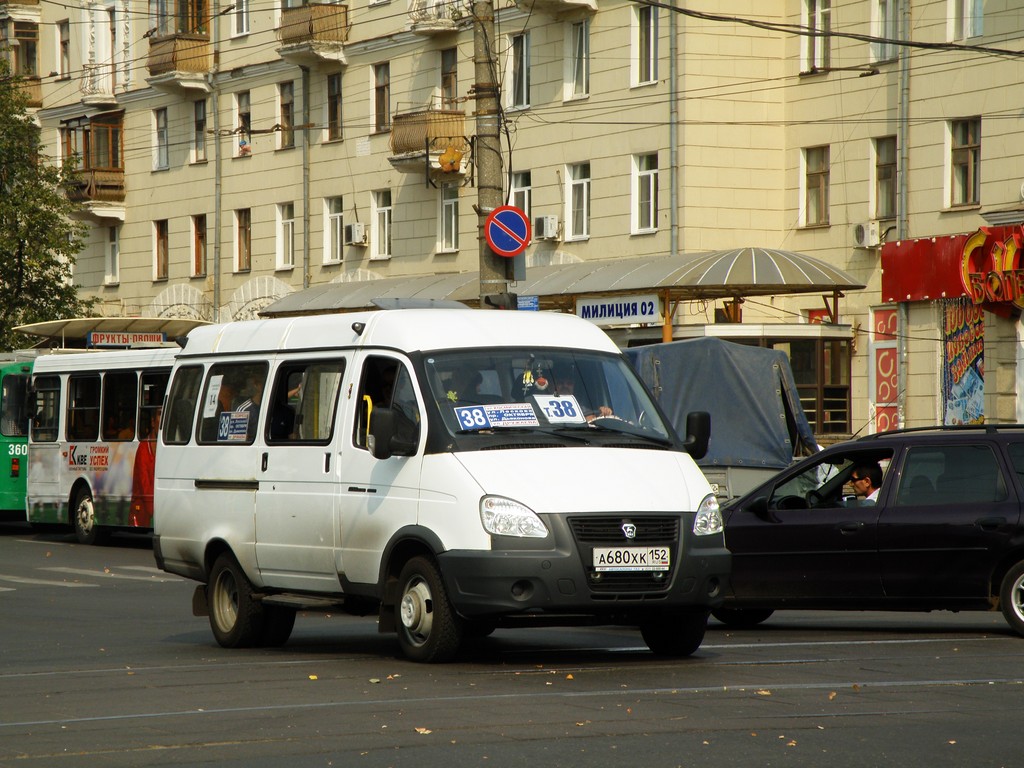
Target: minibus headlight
[505,517]
[709,517]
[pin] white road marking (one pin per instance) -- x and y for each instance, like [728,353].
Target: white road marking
[44,582]
[110,574]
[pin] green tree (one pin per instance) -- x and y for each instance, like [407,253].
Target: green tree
[38,238]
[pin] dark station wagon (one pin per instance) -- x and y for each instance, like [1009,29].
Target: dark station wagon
[944,533]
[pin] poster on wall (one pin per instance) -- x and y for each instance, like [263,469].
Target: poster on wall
[963,362]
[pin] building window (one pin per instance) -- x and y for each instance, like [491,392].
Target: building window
[286,118]
[885,177]
[334,107]
[965,19]
[520,71]
[817,16]
[645,45]
[816,177]
[24,47]
[521,191]
[449,217]
[450,78]
[645,190]
[199,132]
[64,49]
[334,230]
[382,97]
[884,26]
[243,124]
[381,235]
[286,236]
[578,60]
[243,240]
[241,14]
[162,159]
[161,249]
[113,270]
[965,160]
[578,201]
[199,245]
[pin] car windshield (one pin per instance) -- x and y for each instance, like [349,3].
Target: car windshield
[514,389]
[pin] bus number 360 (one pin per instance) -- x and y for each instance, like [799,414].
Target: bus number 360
[17,449]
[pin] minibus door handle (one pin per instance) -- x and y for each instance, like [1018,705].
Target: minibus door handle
[327,462]
[264,461]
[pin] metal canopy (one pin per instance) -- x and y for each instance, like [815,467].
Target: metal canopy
[729,274]
[77,328]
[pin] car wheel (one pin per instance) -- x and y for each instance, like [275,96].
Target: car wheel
[236,618]
[83,519]
[742,618]
[428,629]
[1011,598]
[676,634]
[278,623]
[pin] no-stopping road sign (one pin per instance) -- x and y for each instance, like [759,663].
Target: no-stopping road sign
[507,230]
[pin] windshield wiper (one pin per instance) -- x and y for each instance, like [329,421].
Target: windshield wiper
[552,431]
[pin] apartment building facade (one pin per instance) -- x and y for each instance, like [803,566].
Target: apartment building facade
[230,154]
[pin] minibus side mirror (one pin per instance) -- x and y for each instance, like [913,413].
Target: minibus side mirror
[698,434]
[385,441]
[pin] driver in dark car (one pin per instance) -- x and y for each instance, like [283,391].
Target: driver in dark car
[866,480]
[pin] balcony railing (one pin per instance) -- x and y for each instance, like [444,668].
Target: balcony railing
[411,131]
[93,185]
[432,17]
[314,23]
[33,90]
[179,53]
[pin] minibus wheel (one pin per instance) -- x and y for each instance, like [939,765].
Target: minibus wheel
[236,618]
[428,629]
[83,519]
[675,633]
[278,623]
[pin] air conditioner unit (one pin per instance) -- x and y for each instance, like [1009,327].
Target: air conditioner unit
[865,234]
[545,228]
[355,234]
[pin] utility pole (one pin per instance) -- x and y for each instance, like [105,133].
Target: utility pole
[494,276]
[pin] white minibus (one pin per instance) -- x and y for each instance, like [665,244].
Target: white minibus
[454,470]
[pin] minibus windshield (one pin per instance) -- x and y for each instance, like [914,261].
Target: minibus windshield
[525,389]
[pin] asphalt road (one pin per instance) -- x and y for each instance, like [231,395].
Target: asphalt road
[102,664]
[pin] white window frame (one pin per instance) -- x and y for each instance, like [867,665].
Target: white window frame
[816,51]
[161,140]
[577,60]
[643,63]
[885,25]
[578,190]
[334,230]
[448,83]
[518,86]
[521,191]
[199,131]
[873,196]
[964,19]
[63,49]
[285,215]
[382,211]
[241,133]
[448,224]
[644,219]
[112,274]
[240,20]
[286,115]
[379,125]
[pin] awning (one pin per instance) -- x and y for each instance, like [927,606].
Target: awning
[728,274]
[74,330]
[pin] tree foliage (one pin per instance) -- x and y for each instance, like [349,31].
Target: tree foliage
[38,238]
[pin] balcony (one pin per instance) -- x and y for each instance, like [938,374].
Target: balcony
[556,7]
[313,34]
[97,85]
[436,17]
[420,139]
[179,63]
[33,90]
[101,193]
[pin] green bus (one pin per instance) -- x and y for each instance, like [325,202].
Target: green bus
[15,381]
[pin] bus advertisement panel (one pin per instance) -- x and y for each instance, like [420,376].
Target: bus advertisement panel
[92,443]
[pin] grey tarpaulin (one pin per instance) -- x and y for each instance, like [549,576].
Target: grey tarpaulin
[756,418]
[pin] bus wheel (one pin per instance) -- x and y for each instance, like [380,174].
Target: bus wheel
[428,629]
[278,623]
[236,618]
[83,518]
[675,633]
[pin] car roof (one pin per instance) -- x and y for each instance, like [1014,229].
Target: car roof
[940,432]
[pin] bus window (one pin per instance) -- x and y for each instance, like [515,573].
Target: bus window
[83,407]
[181,405]
[46,419]
[303,402]
[14,408]
[232,403]
[120,388]
[154,386]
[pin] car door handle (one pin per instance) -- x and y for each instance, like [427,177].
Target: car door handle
[850,528]
[990,523]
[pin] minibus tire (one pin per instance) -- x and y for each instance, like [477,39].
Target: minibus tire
[428,629]
[236,618]
[677,633]
[86,530]
[278,623]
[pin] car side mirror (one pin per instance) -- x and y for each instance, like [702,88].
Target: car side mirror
[384,440]
[698,434]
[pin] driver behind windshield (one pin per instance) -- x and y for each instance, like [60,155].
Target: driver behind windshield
[565,385]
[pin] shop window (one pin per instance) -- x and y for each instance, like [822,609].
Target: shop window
[821,369]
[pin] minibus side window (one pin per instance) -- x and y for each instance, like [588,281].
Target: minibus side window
[47,409]
[120,388]
[375,390]
[303,402]
[83,407]
[232,403]
[151,403]
[181,405]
